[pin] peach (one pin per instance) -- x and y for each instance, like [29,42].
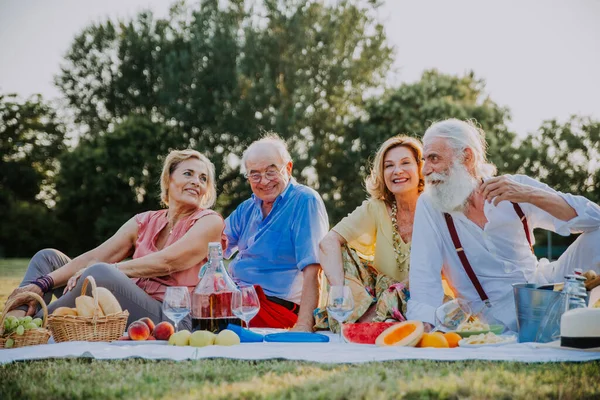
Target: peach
[151,338]
[163,331]
[124,338]
[138,331]
[148,322]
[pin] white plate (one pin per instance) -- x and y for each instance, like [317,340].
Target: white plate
[139,342]
[507,340]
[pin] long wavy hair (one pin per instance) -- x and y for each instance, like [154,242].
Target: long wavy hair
[375,182]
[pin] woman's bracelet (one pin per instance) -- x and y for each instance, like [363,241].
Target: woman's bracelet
[45,283]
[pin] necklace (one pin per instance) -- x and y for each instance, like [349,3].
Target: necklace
[400,255]
[171,228]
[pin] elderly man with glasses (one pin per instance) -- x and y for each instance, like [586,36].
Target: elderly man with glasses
[276,234]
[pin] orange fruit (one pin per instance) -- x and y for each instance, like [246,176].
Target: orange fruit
[452,338]
[433,340]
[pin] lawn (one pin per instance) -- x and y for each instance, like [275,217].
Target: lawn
[233,379]
[12,271]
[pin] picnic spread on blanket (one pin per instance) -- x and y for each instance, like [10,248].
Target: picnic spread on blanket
[556,323]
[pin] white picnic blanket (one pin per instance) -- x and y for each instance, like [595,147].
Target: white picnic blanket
[332,352]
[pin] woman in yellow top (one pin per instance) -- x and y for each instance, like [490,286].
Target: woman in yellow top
[369,250]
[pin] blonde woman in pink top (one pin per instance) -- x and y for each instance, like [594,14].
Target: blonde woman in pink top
[167,248]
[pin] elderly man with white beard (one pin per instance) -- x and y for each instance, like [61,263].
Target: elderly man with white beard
[477,229]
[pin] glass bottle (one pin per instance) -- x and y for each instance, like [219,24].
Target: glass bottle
[577,293]
[572,296]
[211,299]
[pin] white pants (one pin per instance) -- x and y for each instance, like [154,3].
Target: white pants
[584,253]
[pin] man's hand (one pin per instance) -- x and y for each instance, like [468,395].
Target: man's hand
[30,302]
[502,188]
[73,280]
[310,298]
[302,327]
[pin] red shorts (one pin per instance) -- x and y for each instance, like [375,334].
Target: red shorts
[272,315]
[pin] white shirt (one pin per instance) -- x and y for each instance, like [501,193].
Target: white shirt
[499,253]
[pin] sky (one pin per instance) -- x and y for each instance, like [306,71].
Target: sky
[540,58]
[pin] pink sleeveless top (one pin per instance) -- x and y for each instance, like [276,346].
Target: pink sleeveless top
[150,224]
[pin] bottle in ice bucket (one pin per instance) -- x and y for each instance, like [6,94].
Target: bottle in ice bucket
[211,299]
[572,296]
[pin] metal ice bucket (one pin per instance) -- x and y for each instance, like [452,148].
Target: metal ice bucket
[531,305]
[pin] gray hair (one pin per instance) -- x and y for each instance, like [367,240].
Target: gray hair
[271,139]
[462,135]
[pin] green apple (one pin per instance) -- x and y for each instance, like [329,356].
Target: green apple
[227,338]
[181,338]
[202,338]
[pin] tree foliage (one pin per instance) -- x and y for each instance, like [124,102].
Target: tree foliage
[108,178]
[224,75]
[214,76]
[30,140]
[565,156]
[410,109]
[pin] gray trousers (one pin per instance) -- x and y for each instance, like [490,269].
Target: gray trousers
[130,296]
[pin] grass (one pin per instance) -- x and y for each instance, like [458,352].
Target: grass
[12,271]
[237,379]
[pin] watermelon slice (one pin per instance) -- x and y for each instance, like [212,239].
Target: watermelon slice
[364,332]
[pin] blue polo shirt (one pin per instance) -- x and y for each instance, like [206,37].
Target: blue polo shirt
[273,251]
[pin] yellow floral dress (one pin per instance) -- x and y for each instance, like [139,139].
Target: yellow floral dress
[375,269]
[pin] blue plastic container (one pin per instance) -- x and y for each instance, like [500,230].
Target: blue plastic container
[246,335]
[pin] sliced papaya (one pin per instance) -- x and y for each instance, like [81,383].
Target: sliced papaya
[407,333]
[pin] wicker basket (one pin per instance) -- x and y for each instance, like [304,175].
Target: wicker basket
[67,328]
[31,337]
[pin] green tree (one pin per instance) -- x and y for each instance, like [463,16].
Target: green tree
[565,156]
[410,109]
[224,75]
[31,138]
[107,179]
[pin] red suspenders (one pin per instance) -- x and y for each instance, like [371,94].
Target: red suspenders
[463,257]
[521,215]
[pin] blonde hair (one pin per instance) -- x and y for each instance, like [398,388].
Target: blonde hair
[171,163]
[375,182]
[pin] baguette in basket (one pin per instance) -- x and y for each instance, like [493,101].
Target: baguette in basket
[90,324]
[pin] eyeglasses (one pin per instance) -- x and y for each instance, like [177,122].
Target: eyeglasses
[270,174]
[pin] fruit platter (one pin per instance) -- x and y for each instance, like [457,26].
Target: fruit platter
[472,328]
[487,339]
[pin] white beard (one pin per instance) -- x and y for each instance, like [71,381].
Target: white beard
[453,189]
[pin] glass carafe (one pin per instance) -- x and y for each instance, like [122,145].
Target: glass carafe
[211,299]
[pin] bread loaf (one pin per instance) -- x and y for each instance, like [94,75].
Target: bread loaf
[107,301]
[592,283]
[61,311]
[85,307]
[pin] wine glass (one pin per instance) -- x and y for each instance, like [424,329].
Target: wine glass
[176,304]
[451,314]
[245,303]
[340,304]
